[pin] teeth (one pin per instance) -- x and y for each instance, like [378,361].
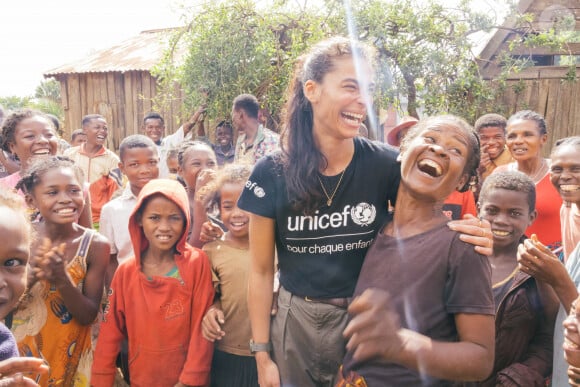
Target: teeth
[355,118]
[238,224]
[65,211]
[41,152]
[164,237]
[430,167]
[569,187]
[500,233]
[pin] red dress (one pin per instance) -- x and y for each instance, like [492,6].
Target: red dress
[547,224]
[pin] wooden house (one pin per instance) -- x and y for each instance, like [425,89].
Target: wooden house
[546,87]
[117,83]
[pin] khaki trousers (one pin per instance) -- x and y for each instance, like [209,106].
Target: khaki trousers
[307,340]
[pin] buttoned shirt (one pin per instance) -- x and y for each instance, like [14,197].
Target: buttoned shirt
[266,142]
[114,223]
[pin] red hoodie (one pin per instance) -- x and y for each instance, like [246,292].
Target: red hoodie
[160,317]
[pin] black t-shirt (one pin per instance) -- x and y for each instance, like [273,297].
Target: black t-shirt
[321,255]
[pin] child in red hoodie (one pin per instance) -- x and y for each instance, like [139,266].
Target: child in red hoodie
[158,298]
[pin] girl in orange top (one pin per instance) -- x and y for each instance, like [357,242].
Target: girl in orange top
[65,284]
[158,298]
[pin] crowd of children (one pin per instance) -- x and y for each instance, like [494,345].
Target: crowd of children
[141,268]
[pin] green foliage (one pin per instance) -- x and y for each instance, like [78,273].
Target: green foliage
[234,48]
[426,52]
[46,99]
[14,102]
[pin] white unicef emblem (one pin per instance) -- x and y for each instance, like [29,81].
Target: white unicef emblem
[363,214]
[259,192]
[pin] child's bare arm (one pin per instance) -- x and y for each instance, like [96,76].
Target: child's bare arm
[111,268]
[212,322]
[82,305]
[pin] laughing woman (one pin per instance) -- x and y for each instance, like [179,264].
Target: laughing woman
[423,312]
[525,138]
[319,202]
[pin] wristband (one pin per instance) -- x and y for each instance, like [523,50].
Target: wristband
[260,347]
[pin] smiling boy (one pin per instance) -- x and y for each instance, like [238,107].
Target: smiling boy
[491,131]
[140,163]
[99,164]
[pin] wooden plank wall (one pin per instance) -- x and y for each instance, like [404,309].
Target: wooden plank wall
[122,98]
[556,100]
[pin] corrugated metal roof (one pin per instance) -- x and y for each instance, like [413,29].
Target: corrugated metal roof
[139,53]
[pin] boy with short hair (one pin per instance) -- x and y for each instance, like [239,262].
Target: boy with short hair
[140,164]
[523,356]
[99,164]
[78,137]
[154,128]
[491,131]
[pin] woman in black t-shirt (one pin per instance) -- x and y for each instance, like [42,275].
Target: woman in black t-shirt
[319,202]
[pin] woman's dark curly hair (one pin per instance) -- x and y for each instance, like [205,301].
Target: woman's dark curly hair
[230,173]
[11,122]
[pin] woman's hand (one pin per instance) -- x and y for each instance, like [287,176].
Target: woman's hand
[475,231]
[538,261]
[572,337]
[374,327]
[268,373]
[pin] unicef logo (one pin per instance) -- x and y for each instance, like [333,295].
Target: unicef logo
[259,192]
[363,214]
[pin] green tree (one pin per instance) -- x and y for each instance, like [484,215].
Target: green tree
[427,61]
[46,99]
[234,48]
[13,102]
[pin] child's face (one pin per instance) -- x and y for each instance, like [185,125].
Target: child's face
[79,139]
[565,172]
[14,254]
[96,131]
[223,135]
[195,160]
[173,164]
[492,140]
[140,165]
[58,196]
[235,219]
[433,161]
[154,129]
[163,223]
[509,214]
[33,137]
